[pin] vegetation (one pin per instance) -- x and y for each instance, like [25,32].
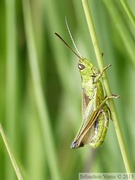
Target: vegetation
[40,94]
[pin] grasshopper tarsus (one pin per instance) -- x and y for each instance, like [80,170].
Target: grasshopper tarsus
[116,96]
[106,67]
[109,65]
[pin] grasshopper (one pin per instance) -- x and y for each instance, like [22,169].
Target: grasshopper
[95,111]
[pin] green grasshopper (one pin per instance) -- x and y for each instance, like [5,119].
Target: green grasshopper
[95,110]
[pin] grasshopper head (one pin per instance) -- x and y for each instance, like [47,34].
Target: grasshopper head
[87,68]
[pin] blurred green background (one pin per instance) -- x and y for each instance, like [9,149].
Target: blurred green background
[40,86]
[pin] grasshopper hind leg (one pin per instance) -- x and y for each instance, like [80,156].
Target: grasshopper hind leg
[100,128]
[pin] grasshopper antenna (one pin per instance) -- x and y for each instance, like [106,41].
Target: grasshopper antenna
[78,55]
[72,37]
[67,45]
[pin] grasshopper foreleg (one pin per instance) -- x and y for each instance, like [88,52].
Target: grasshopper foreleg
[98,76]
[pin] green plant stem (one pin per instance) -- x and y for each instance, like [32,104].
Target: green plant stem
[39,95]
[106,84]
[128,40]
[14,163]
[11,91]
[128,11]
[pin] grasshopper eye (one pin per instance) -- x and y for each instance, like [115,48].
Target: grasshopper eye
[81,66]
